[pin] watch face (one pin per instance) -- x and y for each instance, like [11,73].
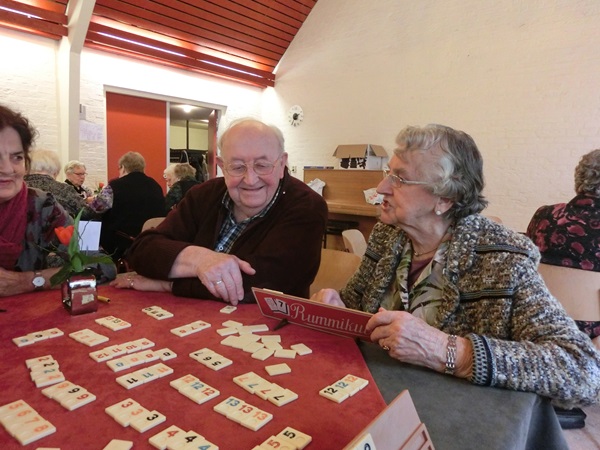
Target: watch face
[39,281]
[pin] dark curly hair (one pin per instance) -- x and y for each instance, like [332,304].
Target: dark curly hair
[26,131]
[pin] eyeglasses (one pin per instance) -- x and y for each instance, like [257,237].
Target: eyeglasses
[80,174]
[397,181]
[260,168]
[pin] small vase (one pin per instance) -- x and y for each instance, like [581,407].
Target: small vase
[79,294]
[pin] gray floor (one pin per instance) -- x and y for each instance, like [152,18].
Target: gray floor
[587,438]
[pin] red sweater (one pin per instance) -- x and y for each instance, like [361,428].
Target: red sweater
[284,247]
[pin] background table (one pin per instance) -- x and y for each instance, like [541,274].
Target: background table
[330,424]
[460,415]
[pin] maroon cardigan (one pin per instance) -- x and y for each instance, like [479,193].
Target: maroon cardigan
[284,246]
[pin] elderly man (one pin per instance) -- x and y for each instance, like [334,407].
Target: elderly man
[255,226]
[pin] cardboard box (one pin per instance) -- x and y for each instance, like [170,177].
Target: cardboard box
[361,156]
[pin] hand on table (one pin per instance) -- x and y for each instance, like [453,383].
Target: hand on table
[408,338]
[132,280]
[329,297]
[221,273]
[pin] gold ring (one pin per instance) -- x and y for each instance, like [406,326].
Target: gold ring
[386,348]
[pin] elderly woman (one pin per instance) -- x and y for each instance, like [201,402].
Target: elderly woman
[568,234]
[43,170]
[456,292]
[180,178]
[75,172]
[28,216]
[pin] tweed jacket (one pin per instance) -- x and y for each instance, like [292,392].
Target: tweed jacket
[63,193]
[493,295]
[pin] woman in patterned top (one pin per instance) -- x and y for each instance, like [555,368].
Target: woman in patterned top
[457,293]
[568,234]
[28,216]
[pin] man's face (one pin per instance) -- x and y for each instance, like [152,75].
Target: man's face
[253,145]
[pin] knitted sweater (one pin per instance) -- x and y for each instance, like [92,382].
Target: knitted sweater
[284,246]
[493,295]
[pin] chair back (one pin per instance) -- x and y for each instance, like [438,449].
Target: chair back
[577,290]
[335,270]
[152,223]
[354,241]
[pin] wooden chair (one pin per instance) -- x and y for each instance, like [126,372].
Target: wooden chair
[354,241]
[335,270]
[152,223]
[577,290]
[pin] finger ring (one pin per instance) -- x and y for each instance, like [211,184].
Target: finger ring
[386,348]
[218,282]
[130,282]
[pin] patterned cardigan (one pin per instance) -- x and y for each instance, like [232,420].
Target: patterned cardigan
[493,295]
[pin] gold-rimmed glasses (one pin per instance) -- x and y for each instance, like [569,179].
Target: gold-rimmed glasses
[398,181]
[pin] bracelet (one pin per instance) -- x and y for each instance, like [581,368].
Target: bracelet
[451,355]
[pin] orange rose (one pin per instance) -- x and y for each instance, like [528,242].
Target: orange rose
[100,185]
[64,234]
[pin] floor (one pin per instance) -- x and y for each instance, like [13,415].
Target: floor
[588,437]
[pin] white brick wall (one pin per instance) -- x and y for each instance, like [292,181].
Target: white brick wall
[520,77]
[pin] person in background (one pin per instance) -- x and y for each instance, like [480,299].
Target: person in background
[28,216]
[457,293]
[568,234]
[75,172]
[180,178]
[255,226]
[126,203]
[43,170]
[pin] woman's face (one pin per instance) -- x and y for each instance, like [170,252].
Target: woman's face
[12,164]
[77,177]
[171,179]
[407,205]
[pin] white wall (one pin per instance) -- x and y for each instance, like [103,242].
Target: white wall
[520,77]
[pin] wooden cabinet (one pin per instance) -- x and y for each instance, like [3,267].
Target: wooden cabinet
[345,199]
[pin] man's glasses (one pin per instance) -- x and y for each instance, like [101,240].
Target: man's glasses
[259,168]
[397,181]
[82,174]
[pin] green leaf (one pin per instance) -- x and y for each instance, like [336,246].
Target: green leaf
[61,276]
[75,238]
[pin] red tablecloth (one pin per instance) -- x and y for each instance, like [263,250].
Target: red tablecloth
[331,425]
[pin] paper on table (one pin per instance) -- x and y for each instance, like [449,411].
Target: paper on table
[90,235]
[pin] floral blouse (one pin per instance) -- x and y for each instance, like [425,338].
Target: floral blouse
[568,234]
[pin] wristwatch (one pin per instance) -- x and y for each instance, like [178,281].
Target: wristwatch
[38,281]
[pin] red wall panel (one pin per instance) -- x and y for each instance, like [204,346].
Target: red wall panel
[140,125]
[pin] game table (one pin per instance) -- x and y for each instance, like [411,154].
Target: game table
[457,414]
[331,425]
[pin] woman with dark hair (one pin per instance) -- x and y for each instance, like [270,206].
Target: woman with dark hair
[28,216]
[456,292]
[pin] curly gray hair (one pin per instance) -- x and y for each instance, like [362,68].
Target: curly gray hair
[587,174]
[458,173]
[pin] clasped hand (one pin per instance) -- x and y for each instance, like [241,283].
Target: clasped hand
[222,275]
[405,337]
